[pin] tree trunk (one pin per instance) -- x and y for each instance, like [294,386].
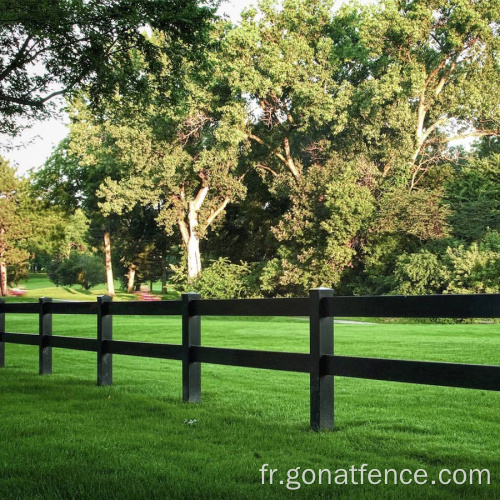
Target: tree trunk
[131,278]
[194,258]
[3,279]
[163,272]
[193,244]
[109,268]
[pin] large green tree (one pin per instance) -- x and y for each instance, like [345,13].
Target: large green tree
[182,160]
[433,73]
[55,47]
[386,87]
[15,227]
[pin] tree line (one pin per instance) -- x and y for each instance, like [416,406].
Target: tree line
[305,146]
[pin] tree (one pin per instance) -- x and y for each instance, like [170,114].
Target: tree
[66,183]
[56,47]
[432,78]
[143,248]
[281,62]
[330,206]
[182,160]
[15,227]
[82,268]
[190,182]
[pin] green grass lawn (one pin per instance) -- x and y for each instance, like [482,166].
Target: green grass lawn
[61,436]
[38,285]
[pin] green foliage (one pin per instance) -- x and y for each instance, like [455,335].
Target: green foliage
[419,273]
[421,214]
[92,271]
[75,44]
[330,207]
[65,273]
[455,268]
[473,195]
[83,269]
[312,142]
[15,226]
[475,268]
[221,280]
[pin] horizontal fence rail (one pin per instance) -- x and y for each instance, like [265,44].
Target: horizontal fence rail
[321,363]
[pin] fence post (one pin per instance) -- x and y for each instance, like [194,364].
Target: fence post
[2,330]
[44,330]
[321,342]
[191,335]
[104,332]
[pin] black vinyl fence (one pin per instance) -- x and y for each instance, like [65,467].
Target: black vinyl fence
[321,363]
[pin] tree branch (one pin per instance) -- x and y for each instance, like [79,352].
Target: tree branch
[477,133]
[432,127]
[38,103]
[16,59]
[264,167]
[184,231]
[200,198]
[215,213]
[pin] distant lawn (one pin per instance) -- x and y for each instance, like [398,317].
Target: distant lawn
[38,285]
[63,437]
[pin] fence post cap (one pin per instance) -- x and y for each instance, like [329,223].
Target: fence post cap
[42,300]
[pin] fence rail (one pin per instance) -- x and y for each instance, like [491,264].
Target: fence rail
[321,363]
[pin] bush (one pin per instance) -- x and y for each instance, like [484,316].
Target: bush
[419,273]
[92,271]
[83,269]
[220,280]
[459,268]
[476,268]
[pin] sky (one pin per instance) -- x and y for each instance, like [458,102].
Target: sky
[35,144]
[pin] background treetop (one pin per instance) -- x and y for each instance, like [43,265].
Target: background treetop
[54,47]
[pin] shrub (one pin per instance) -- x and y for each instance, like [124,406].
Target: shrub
[419,273]
[476,268]
[68,269]
[458,268]
[84,269]
[220,280]
[92,271]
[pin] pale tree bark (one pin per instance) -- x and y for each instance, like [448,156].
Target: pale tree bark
[3,278]
[109,268]
[131,278]
[190,234]
[193,244]
[194,257]
[421,133]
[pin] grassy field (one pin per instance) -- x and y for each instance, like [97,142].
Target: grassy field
[63,437]
[38,285]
